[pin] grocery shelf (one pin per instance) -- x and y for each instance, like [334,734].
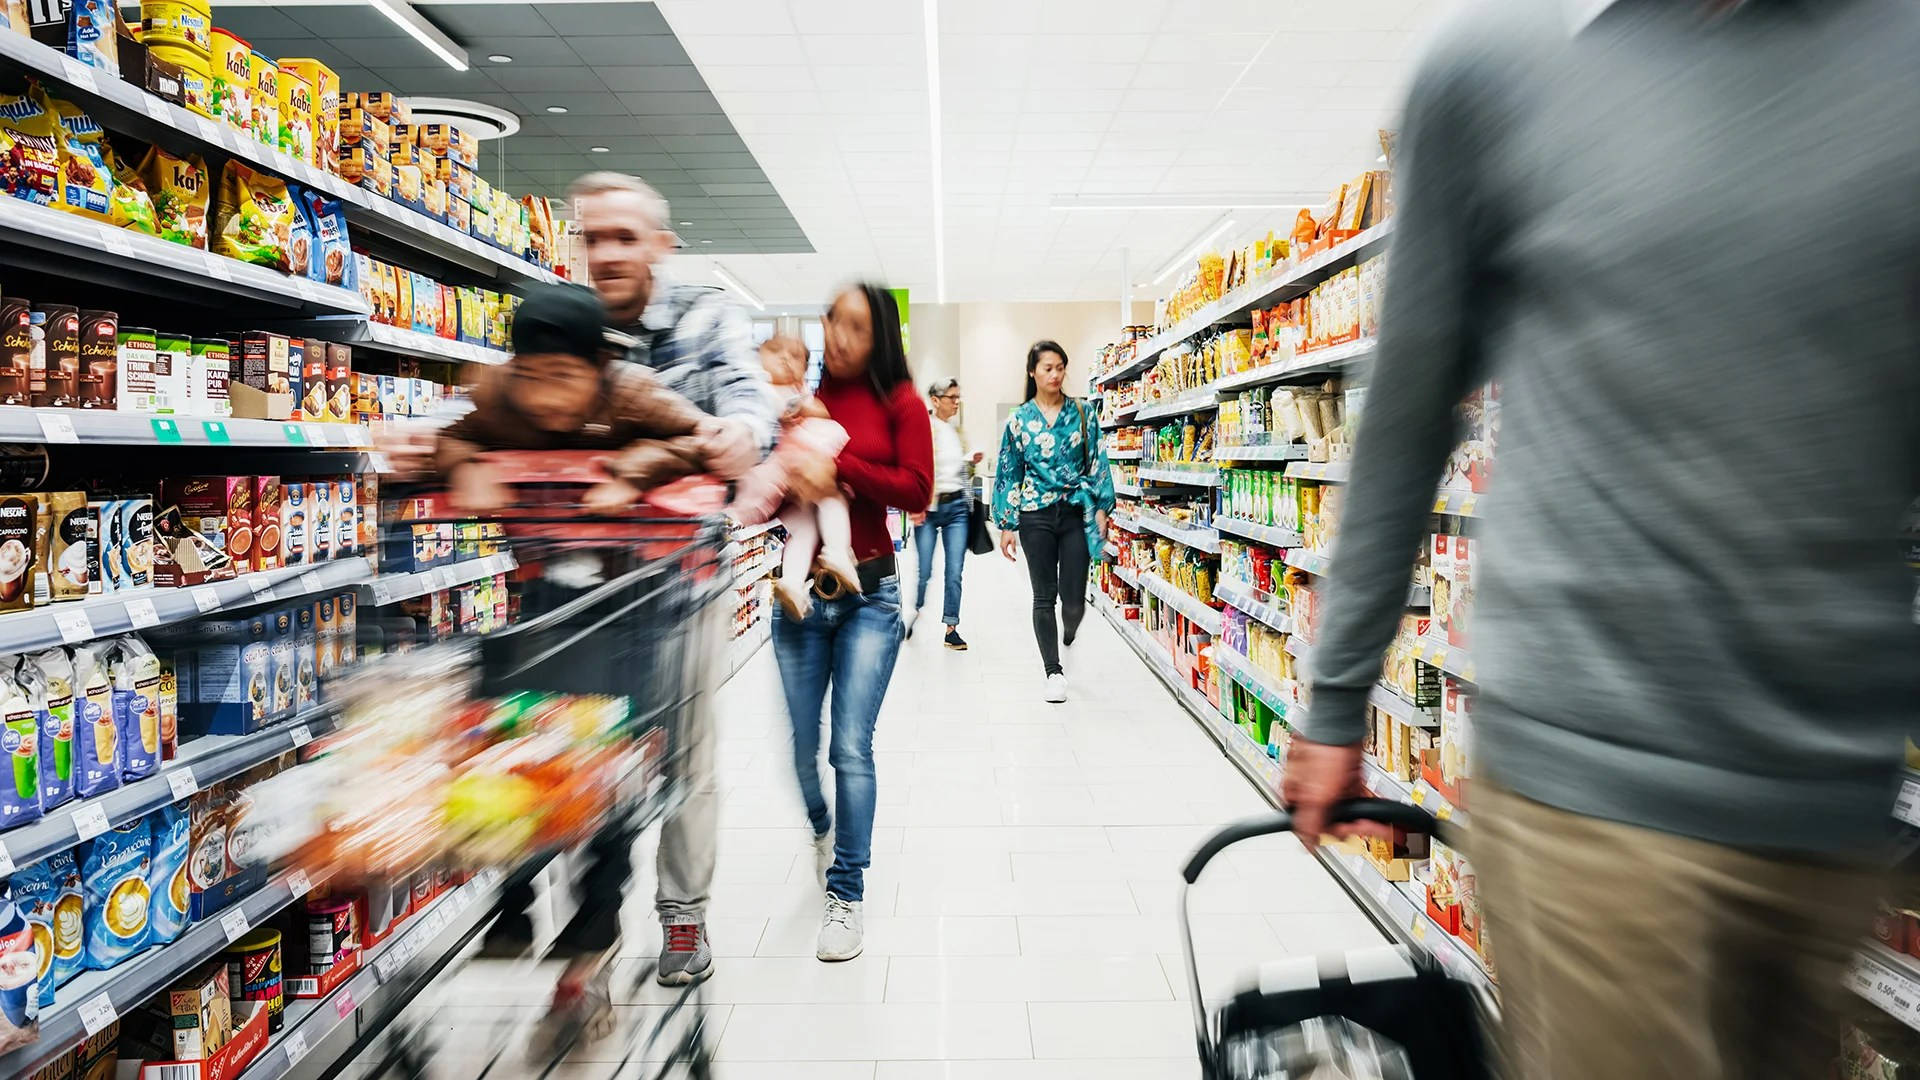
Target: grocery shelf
[1243,596]
[1329,471]
[1196,537]
[1124,455]
[1299,647]
[1191,475]
[1383,783]
[20,424]
[1390,701]
[1118,418]
[392,588]
[1890,980]
[1126,574]
[1261,685]
[1266,534]
[1396,908]
[1204,617]
[1200,400]
[753,572]
[1292,281]
[1454,661]
[202,762]
[1262,452]
[1457,503]
[1126,521]
[68,245]
[742,533]
[118,613]
[121,106]
[97,998]
[1331,358]
[350,330]
[1313,562]
[1126,489]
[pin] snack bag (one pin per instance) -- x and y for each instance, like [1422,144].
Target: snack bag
[299,235]
[86,185]
[114,875]
[332,261]
[20,740]
[135,672]
[253,218]
[19,1000]
[48,680]
[29,146]
[90,34]
[33,894]
[179,189]
[96,738]
[169,876]
[129,207]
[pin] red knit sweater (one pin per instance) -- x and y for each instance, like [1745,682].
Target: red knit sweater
[888,459]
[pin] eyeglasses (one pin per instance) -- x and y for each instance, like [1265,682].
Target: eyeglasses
[953,395]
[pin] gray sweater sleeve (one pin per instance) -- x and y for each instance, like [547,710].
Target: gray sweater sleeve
[1428,358]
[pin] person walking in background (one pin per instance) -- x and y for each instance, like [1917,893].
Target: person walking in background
[947,521]
[848,641]
[1679,238]
[1052,491]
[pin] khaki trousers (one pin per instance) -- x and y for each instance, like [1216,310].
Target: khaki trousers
[1628,953]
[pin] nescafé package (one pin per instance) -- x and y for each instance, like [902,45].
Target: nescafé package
[253,218]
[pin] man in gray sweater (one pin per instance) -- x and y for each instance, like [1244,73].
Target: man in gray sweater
[1684,237]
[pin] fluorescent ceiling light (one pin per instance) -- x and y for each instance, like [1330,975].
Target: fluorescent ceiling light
[1193,250]
[556,109]
[930,29]
[733,283]
[424,32]
[1266,200]
[601,149]
[500,58]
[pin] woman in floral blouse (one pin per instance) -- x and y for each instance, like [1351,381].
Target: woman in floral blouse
[1053,490]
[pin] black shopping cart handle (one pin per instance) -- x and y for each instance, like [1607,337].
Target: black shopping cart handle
[1385,811]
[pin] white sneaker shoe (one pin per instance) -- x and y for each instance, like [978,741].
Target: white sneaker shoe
[822,856]
[842,930]
[1056,687]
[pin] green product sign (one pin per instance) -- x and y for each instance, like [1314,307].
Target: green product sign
[295,434]
[216,432]
[900,298]
[166,431]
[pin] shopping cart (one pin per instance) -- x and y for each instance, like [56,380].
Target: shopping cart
[610,608]
[1384,1013]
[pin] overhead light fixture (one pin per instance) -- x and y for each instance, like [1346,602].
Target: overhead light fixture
[1265,200]
[1193,250]
[733,283]
[601,149]
[499,58]
[480,121]
[686,223]
[556,108]
[422,31]
[930,29]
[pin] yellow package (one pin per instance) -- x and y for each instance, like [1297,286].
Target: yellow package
[296,115]
[230,90]
[253,220]
[85,184]
[130,206]
[323,108]
[30,143]
[178,186]
[266,100]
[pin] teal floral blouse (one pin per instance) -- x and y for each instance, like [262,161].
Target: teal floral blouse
[1042,463]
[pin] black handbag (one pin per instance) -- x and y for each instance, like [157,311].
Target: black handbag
[979,537]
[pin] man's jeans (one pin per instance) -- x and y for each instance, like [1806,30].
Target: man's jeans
[947,524]
[849,643]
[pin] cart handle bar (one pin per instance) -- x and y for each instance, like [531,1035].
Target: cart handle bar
[1385,811]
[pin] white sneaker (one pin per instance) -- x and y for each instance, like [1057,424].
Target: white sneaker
[842,929]
[822,856]
[1056,687]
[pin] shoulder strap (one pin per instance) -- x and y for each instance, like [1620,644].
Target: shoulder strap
[1086,436]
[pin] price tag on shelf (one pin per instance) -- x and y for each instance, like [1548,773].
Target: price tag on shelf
[317,435]
[206,598]
[56,428]
[74,624]
[164,430]
[296,1046]
[90,821]
[382,593]
[301,736]
[379,463]
[208,130]
[141,613]
[156,109]
[97,1012]
[216,267]
[259,584]
[295,434]
[115,241]
[310,582]
[343,1005]
[6,861]
[182,783]
[1907,806]
[234,924]
[216,432]
[79,74]
[298,883]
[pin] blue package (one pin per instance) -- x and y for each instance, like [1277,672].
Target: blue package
[48,680]
[69,927]
[20,743]
[33,894]
[115,874]
[135,671]
[96,737]
[332,262]
[19,1003]
[300,253]
[169,877]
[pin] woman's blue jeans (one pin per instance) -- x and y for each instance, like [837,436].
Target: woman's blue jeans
[946,523]
[849,644]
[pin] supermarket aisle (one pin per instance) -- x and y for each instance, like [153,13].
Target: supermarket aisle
[1019,910]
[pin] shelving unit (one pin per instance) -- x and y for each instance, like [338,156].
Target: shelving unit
[1200,539]
[1190,475]
[1260,605]
[1266,534]
[20,424]
[1204,617]
[1332,472]
[393,588]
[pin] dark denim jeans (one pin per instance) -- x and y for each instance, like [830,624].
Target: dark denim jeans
[947,524]
[849,643]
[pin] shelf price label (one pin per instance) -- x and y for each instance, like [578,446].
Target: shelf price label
[165,431]
[298,883]
[259,584]
[182,783]
[296,1044]
[141,613]
[115,242]
[295,434]
[1907,806]
[90,821]
[74,625]
[56,428]
[234,924]
[80,75]
[206,598]
[217,432]
[301,736]
[97,1012]
[343,1005]
[310,582]
[217,267]
[6,861]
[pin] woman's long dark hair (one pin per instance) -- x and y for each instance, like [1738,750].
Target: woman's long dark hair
[887,364]
[1033,361]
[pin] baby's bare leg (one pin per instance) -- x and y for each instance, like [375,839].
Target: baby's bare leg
[803,539]
[836,526]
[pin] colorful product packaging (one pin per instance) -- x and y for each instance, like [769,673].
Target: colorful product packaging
[135,671]
[96,741]
[117,893]
[169,873]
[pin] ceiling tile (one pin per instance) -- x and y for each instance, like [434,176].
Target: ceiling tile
[542,80]
[860,48]
[527,51]
[702,144]
[576,104]
[717,161]
[693,18]
[468,22]
[701,124]
[669,104]
[864,17]
[656,78]
[576,20]
[623,51]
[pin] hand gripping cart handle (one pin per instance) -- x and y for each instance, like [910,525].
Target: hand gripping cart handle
[1396,1016]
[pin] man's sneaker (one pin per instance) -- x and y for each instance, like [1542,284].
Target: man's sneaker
[581,1012]
[1056,687]
[685,957]
[822,856]
[955,641]
[842,930]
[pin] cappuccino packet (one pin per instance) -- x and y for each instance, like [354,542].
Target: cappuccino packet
[20,743]
[47,679]
[19,516]
[96,737]
[116,874]
[135,672]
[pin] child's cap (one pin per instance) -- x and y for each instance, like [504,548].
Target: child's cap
[561,319]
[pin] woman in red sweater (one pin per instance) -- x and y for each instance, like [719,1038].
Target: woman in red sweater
[849,641]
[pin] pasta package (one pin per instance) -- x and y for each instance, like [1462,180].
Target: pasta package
[29,149]
[178,186]
[253,218]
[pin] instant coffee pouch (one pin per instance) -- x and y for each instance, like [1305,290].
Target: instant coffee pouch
[69,928]
[20,740]
[169,875]
[135,671]
[47,678]
[116,874]
[96,741]
[72,544]
[19,515]
[33,894]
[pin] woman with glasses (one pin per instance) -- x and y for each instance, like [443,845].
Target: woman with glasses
[946,521]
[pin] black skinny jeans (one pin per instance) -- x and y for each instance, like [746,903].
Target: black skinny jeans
[1055,539]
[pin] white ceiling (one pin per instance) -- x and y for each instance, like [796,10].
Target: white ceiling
[1040,98]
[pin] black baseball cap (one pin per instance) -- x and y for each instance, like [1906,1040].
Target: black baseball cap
[561,319]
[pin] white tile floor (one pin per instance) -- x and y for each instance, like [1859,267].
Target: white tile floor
[1019,907]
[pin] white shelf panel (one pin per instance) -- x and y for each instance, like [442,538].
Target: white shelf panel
[20,424]
[1272,692]
[1199,539]
[1313,562]
[1265,534]
[1890,980]
[394,339]
[1190,475]
[1389,701]
[1405,916]
[1262,452]
[392,588]
[1331,358]
[1333,472]
[1457,503]
[1126,574]
[1263,606]
[1454,661]
[1126,489]
[1124,455]
[1204,617]
[1199,400]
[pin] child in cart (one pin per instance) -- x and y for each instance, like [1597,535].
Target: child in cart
[823,527]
